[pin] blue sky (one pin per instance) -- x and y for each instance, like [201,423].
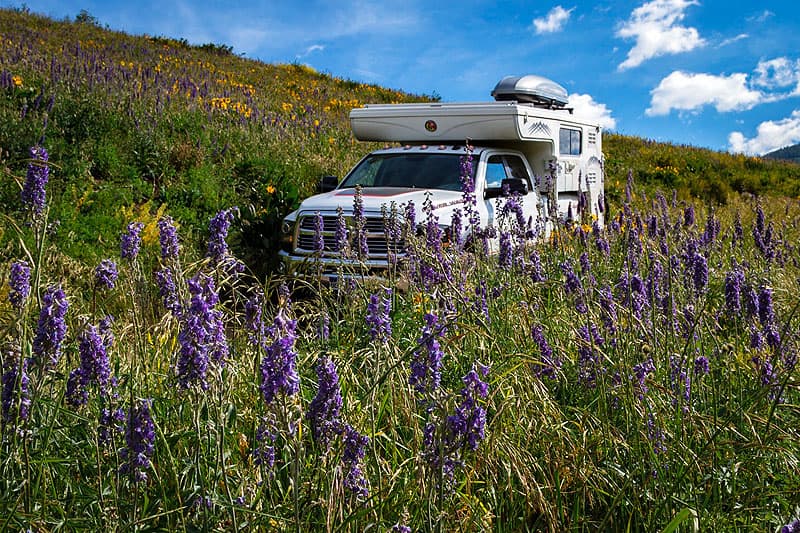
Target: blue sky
[722,74]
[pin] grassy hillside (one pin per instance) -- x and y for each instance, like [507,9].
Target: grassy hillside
[139,125]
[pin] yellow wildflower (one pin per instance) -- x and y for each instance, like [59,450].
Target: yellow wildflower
[17,81]
[271,189]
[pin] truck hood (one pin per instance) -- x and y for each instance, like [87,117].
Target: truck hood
[375,197]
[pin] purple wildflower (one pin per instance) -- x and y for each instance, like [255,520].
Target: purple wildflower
[52,327]
[773,336]
[701,365]
[95,367]
[411,217]
[467,176]
[355,447]
[765,370]
[505,259]
[640,372]
[19,283]
[467,426]
[680,382]
[168,291]
[688,216]
[140,439]
[264,453]
[218,233]
[76,394]
[279,365]
[456,229]
[16,401]
[360,224]
[426,367]
[111,421]
[751,302]
[168,238]
[480,303]
[572,284]
[378,319]
[629,187]
[254,319]
[341,235]
[105,274]
[202,335]
[548,365]
[655,435]
[33,191]
[733,291]
[791,527]
[590,364]
[700,277]
[766,313]
[536,268]
[131,241]
[323,411]
[608,310]
[712,229]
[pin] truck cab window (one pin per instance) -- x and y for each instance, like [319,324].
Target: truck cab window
[495,172]
[506,166]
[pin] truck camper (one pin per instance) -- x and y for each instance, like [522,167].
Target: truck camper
[527,144]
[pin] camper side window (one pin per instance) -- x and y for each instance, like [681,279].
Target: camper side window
[569,141]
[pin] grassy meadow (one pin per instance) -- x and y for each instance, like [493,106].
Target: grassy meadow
[157,376]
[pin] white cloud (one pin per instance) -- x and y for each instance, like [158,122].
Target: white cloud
[761,17]
[770,136]
[732,40]
[554,21]
[655,27]
[310,50]
[586,108]
[778,73]
[684,91]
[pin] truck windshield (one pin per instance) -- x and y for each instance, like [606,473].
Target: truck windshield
[421,171]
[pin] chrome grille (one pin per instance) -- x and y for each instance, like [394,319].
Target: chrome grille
[377,243]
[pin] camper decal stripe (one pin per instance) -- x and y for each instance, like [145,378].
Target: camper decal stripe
[539,127]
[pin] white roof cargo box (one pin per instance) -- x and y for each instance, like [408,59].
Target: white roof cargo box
[437,123]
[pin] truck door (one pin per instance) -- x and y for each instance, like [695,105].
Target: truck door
[508,176]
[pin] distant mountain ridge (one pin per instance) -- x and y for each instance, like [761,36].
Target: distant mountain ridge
[789,153]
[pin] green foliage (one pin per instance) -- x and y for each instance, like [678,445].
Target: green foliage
[700,173]
[84,17]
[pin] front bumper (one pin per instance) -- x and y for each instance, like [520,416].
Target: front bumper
[333,267]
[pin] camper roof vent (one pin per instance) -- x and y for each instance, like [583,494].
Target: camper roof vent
[531,89]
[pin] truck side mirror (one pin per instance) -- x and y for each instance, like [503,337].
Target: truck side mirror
[327,183]
[514,186]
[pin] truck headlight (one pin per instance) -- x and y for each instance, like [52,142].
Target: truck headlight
[287,236]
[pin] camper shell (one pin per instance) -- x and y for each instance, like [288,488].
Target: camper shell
[529,134]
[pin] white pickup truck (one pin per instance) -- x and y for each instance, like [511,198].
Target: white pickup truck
[527,142]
